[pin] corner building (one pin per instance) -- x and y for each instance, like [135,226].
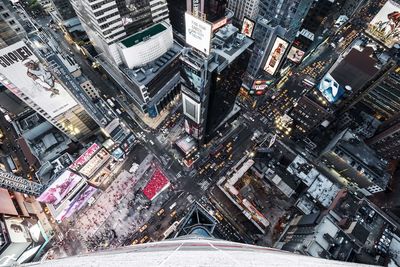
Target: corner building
[210,84]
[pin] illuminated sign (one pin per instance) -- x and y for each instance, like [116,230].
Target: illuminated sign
[248,27]
[25,76]
[198,33]
[385,26]
[295,54]
[60,188]
[77,203]
[261,84]
[191,108]
[219,24]
[330,88]
[275,57]
[79,162]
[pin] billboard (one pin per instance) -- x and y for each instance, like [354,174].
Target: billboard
[95,163]
[275,57]
[248,27]
[261,84]
[79,162]
[295,54]
[191,108]
[23,74]
[76,203]
[60,188]
[198,33]
[330,89]
[385,26]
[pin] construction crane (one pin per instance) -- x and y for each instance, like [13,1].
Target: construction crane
[19,184]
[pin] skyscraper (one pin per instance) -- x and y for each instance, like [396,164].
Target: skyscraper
[242,9]
[11,25]
[210,83]
[106,24]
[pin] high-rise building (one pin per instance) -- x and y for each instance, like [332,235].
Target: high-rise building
[64,9]
[386,140]
[242,9]
[12,26]
[287,13]
[266,34]
[356,163]
[210,83]
[106,24]
[213,11]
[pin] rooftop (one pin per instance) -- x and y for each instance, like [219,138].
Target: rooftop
[143,35]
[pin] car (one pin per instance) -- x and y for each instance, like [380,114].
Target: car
[160,212]
[144,239]
[219,216]
[144,227]
[173,213]
[135,242]
[118,111]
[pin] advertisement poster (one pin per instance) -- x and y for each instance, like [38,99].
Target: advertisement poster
[77,203]
[330,89]
[60,188]
[79,162]
[295,55]
[275,57]
[385,26]
[95,163]
[191,108]
[248,27]
[23,74]
[198,33]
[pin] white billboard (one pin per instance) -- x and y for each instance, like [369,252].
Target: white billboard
[191,108]
[275,57]
[198,33]
[385,26]
[23,74]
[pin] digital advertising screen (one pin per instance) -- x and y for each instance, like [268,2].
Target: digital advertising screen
[77,203]
[275,57]
[248,27]
[385,26]
[295,55]
[60,188]
[82,159]
[330,88]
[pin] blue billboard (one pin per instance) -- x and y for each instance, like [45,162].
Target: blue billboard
[330,88]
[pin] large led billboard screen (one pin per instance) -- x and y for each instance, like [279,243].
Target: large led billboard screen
[76,203]
[79,162]
[330,88]
[60,188]
[276,55]
[191,108]
[295,54]
[23,74]
[248,27]
[385,26]
[198,33]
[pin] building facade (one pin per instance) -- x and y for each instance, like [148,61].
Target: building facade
[106,24]
[211,83]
